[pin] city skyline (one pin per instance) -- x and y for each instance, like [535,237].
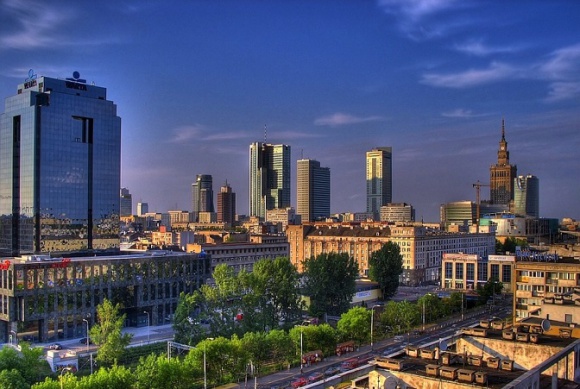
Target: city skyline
[196,82]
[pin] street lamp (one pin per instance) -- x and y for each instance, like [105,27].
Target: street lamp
[148,329]
[205,364]
[67,368]
[86,321]
[301,364]
[15,338]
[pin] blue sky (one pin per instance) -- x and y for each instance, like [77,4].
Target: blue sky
[196,82]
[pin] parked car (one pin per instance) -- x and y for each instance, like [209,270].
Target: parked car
[298,382]
[55,346]
[332,370]
[315,377]
[350,364]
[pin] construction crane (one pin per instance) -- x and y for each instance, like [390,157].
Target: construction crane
[477,187]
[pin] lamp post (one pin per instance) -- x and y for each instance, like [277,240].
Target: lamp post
[301,365]
[205,364]
[15,338]
[86,321]
[148,329]
[67,368]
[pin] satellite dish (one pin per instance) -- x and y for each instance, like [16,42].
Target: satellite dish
[443,345]
[76,74]
[546,325]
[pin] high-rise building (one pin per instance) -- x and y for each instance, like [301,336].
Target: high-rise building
[527,196]
[313,190]
[126,202]
[142,208]
[269,178]
[202,193]
[379,179]
[226,205]
[502,174]
[60,154]
[397,212]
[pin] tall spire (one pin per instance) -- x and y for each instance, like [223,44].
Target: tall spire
[502,128]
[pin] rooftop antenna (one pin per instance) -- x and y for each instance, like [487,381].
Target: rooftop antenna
[265,132]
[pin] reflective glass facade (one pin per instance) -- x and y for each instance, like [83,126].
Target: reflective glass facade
[60,152]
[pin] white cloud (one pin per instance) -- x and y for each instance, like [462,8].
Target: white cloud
[36,24]
[340,119]
[495,72]
[563,91]
[562,64]
[480,49]
[186,133]
[458,113]
[415,9]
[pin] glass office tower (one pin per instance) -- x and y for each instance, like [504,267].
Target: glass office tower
[60,158]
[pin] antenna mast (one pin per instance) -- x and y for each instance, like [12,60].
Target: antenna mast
[265,133]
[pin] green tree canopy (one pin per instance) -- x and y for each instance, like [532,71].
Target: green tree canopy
[355,324]
[490,288]
[107,333]
[330,281]
[385,267]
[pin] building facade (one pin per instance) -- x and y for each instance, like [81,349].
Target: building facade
[466,272]
[269,178]
[379,177]
[242,255]
[48,297]
[60,178]
[202,195]
[312,190]
[527,196]
[226,205]
[547,287]
[126,202]
[397,212]
[142,209]
[502,174]
[422,248]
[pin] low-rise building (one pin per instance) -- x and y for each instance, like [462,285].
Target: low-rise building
[48,297]
[422,248]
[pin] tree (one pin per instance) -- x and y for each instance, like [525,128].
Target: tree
[157,371]
[492,287]
[355,324]
[282,348]
[12,379]
[330,281]
[28,363]
[400,316]
[187,327]
[107,333]
[385,267]
[277,282]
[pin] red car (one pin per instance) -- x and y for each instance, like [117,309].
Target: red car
[300,381]
[315,377]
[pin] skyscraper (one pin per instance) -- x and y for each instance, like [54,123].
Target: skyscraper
[142,208]
[502,174]
[226,205]
[126,202]
[527,196]
[60,154]
[379,179]
[269,177]
[313,190]
[202,193]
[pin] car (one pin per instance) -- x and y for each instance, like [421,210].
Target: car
[298,382]
[315,377]
[84,341]
[55,346]
[332,370]
[399,338]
